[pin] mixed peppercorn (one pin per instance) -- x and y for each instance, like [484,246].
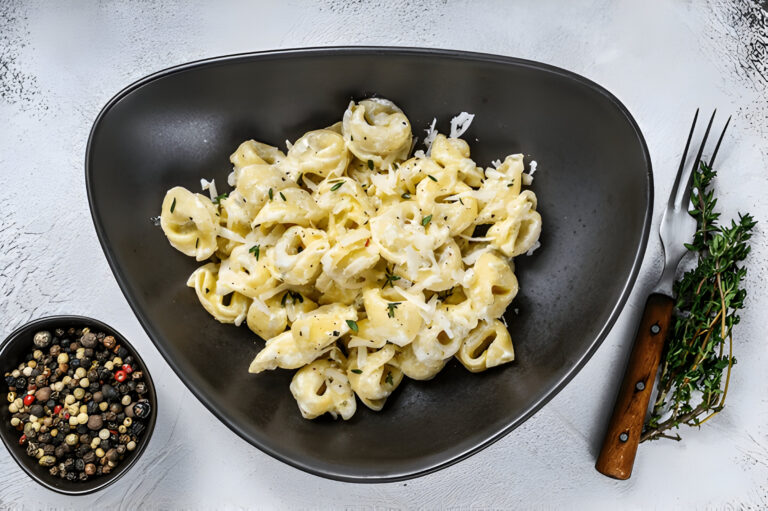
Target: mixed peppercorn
[80,402]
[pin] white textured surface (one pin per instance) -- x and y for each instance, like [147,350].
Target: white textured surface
[61,61]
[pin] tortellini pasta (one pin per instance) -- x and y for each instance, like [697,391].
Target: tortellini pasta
[359,261]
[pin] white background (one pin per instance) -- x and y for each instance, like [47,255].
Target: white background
[61,61]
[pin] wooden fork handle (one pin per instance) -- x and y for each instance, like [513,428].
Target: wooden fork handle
[617,454]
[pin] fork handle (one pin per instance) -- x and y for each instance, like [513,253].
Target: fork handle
[623,436]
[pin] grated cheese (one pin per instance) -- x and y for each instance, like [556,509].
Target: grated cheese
[479,240]
[431,134]
[230,235]
[210,186]
[460,124]
[533,248]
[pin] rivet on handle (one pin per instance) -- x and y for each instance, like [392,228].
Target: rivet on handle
[624,437]
[640,385]
[655,328]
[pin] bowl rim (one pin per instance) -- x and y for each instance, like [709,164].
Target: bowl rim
[45,322]
[323,51]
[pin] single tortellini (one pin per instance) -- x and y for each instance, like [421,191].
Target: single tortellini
[433,198]
[520,231]
[351,255]
[288,206]
[189,222]
[254,184]
[319,153]
[246,271]
[488,345]
[281,351]
[330,291]
[267,318]
[229,308]
[441,339]
[251,152]
[298,252]
[453,153]
[405,226]
[417,369]
[502,187]
[345,203]
[272,316]
[321,327]
[372,375]
[391,318]
[445,271]
[377,130]
[233,224]
[459,309]
[492,286]
[365,337]
[322,387]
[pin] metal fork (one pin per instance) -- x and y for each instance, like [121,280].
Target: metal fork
[677,227]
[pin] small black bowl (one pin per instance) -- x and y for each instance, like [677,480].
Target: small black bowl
[12,352]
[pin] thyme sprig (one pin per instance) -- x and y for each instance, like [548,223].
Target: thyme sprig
[690,389]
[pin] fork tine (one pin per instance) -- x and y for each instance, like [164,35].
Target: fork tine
[673,193]
[717,147]
[687,191]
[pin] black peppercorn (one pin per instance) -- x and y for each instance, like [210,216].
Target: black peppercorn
[21,383]
[50,404]
[122,352]
[91,407]
[71,476]
[142,409]
[74,363]
[137,428]
[89,340]
[81,450]
[79,464]
[109,392]
[82,476]
[36,410]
